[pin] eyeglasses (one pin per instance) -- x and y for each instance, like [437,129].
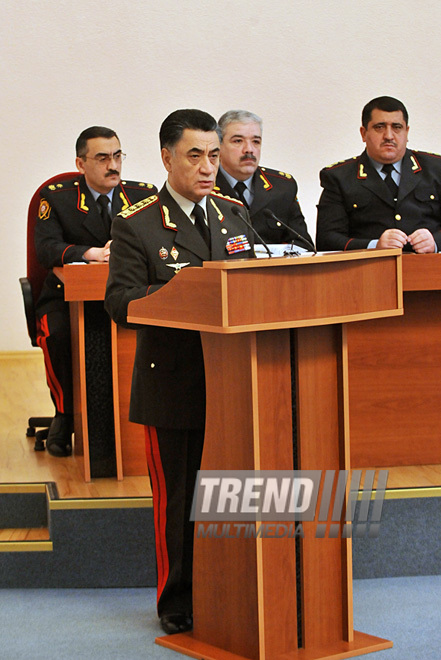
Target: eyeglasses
[118,157]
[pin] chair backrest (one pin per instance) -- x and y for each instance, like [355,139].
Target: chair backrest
[35,272]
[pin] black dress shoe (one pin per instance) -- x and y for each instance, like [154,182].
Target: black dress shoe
[59,439]
[176,623]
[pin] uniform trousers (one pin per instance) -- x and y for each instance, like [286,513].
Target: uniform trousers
[173,458]
[53,337]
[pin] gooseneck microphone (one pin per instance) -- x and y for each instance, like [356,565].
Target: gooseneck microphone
[269,214]
[237,212]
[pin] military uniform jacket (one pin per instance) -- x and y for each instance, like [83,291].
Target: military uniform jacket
[151,242]
[69,223]
[356,205]
[277,192]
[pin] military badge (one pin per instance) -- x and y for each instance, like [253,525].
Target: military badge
[237,244]
[178,267]
[44,210]
[174,253]
[163,253]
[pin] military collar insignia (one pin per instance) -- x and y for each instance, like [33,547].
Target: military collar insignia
[82,202]
[416,167]
[361,173]
[139,206]
[266,184]
[166,218]
[178,267]
[125,201]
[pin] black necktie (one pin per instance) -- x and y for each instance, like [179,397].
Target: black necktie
[103,203]
[240,188]
[200,224]
[390,183]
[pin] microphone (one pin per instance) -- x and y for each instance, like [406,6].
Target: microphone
[237,212]
[269,214]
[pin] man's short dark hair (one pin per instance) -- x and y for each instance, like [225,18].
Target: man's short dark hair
[385,103]
[174,125]
[88,134]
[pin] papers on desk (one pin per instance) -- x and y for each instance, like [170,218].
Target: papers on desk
[279,250]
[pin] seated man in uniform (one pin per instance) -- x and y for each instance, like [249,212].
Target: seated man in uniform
[182,226]
[389,196]
[270,195]
[73,224]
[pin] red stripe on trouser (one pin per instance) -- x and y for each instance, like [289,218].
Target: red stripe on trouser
[159,504]
[52,381]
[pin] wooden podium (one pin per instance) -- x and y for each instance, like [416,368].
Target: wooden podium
[248,591]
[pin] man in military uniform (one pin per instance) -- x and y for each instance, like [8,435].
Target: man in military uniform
[182,226]
[73,225]
[389,196]
[261,189]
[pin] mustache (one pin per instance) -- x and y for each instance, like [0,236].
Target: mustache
[248,157]
[112,172]
[392,142]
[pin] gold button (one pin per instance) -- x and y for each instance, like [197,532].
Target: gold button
[224,231]
[398,217]
[153,365]
[58,286]
[355,206]
[432,196]
[278,224]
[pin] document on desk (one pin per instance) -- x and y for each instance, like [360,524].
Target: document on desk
[279,250]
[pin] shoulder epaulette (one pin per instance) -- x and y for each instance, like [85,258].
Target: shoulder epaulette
[139,206]
[426,153]
[339,163]
[278,173]
[218,194]
[135,184]
[62,185]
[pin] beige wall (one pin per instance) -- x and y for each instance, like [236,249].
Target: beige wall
[306,67]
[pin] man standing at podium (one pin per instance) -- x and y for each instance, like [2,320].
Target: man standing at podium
[389,196]
[269,195]
[182,226]
[73,224]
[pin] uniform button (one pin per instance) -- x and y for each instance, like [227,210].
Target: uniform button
[432,196]
[224,231]
[153,365]
[58,286]
[355,206]
[278,224]
[398,217]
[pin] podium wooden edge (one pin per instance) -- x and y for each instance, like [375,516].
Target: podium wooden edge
[363,643]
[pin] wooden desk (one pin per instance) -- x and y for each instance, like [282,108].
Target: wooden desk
[395,375]
[82,283]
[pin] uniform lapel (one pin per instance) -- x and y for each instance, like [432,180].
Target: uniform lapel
[410,168]
[120,201]
[187,236]
[92,220]
[261,187]
[369,178]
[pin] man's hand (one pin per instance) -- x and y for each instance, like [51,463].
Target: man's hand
[422,241]
[98,253]
[392,238]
